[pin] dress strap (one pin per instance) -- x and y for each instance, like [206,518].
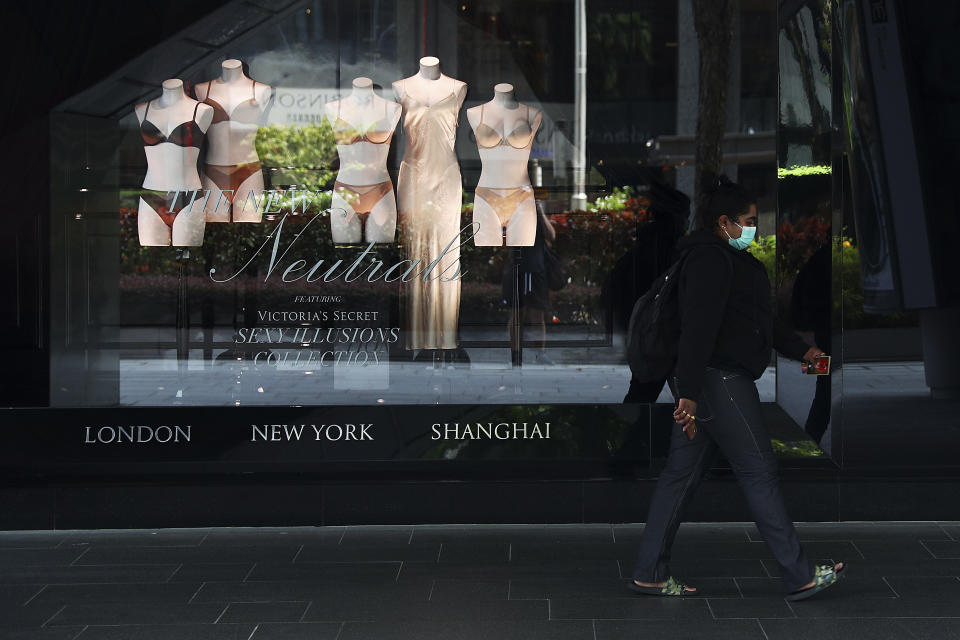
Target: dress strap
[147,110]
[195,107]
[253,89]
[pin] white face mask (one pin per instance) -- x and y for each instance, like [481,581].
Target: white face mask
[747,235]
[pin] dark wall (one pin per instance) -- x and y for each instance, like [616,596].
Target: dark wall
[56,50]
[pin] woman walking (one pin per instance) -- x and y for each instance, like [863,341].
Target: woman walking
[727,332]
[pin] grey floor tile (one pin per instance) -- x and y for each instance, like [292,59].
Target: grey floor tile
[333,590]
[137,613]
[899,550]
[532,552]
[688,630]
[689,532]
[891,567]
[9,632]
[750,550]
[491,581]
[11,558]
[932,628]
[851,586]
[313,571]
[297,631]
[138,537]
[459,590]
[617,588]
[31,615]
[831,604]
[923,587]
[241,536]
[16,594]
[77,574]
[951,529]
[63,594]
[496,571]
[368,536]
[628,608]
[857,531]
[762,607]
[841,629]
[469,630]
[264,612]
[31,539]
[690,568]
[188,555]
[212,572]
[169,632]
[477,551]
[372,610]
[597,534]
[427,552]
[943,549]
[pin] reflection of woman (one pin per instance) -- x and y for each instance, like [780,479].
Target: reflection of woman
[531,287]
[727,332]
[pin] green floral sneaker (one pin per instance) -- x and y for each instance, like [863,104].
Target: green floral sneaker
[672,588]
[824,575]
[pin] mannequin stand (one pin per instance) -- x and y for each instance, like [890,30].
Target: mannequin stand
[183,319]
[516,355]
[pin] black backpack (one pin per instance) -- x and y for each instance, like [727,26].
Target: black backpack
[653,335]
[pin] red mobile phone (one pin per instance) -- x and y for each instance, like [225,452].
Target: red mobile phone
[819,367]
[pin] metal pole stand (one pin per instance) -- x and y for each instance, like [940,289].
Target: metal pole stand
[516,355]
[183,320]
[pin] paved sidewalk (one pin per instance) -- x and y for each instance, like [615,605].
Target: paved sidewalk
[463,582]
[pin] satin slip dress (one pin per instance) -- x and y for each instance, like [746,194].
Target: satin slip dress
[430,198]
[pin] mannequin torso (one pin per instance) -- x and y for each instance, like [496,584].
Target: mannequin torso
[172,126]
[239,104]
[363,205]
[504,129]
[363,125]
[503,201]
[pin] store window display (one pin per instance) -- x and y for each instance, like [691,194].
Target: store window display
[172,127]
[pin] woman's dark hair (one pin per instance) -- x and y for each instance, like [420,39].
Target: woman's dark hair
[722,196]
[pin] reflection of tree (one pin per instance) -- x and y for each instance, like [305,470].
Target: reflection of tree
[618,41]
[713,20]
[820,15]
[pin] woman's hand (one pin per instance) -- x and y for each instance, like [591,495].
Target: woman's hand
[685,413]
[812,353]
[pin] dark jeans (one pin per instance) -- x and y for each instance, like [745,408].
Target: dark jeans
[729,420]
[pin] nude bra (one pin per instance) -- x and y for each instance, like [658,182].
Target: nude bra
[187,134]
[345,133]
[519,138]
[220,114]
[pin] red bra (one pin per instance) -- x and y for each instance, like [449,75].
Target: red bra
[187,134]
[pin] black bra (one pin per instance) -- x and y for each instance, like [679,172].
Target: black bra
[187,134]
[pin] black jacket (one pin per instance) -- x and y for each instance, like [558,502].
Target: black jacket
[726,318]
